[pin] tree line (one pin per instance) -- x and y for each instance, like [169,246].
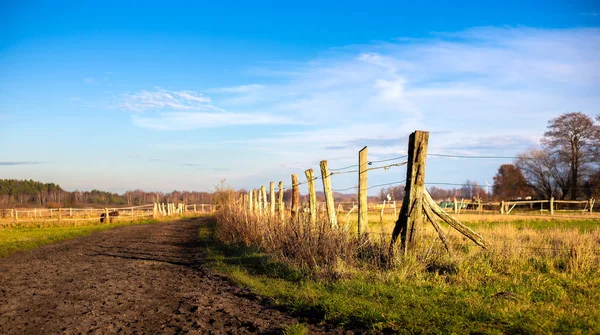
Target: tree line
[29,193]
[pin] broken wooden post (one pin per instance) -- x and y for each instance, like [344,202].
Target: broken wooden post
[363,206]
[312,195]
[411,213]
[329,203]
[295,197]
[428,203]
[280,202]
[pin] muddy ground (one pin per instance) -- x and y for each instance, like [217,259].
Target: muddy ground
[138,279]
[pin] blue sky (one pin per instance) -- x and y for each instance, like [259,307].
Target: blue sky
[164,96]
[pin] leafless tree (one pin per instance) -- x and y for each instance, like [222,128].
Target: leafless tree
[574,139]
[544,174]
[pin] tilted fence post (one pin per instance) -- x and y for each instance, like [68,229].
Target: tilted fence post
[329,203]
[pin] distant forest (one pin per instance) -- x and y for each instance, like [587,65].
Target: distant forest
[30,193]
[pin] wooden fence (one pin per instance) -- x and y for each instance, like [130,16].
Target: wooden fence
[16,216]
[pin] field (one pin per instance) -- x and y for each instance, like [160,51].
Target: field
[537,276]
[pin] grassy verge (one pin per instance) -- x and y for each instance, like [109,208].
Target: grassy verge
[26,238]
[478,293]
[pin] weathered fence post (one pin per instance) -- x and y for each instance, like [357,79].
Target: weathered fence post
[260,200]
[591,205]
[395,208]
[263,190]
[551,205]
[329,203]
[255,203]
[280,202]
[154,210]
[502,207]
[411,213]
[250,202]
[272,197]
[295,197]
[59,216]
[363,205]
[16,217]
[455,206]
[106,215]
[312,198]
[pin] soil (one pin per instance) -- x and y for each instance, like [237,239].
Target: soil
[136,279]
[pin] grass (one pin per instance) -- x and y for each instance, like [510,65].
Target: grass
[537,277]
[27,238]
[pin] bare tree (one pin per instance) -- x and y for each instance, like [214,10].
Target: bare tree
[574,139]
[544,174]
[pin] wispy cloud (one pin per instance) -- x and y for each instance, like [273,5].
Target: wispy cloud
[146,101]
[89,80]
[185,110]
[19,163]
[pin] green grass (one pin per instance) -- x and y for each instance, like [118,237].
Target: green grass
[443,297]
[27,238]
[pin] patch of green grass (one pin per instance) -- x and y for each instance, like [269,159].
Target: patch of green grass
[581,224]
[27,238]
[483,293]
[296,329]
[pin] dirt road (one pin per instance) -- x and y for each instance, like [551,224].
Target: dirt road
[137,279]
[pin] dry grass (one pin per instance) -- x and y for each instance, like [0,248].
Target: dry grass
[537,276]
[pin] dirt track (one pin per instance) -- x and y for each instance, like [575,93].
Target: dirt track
[136,279]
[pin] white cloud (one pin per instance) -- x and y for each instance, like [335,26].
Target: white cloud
[185,110]
[161,99]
